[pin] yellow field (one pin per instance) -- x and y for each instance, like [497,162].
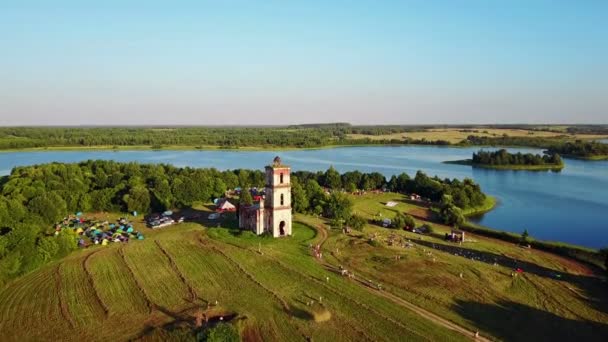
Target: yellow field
[455,135]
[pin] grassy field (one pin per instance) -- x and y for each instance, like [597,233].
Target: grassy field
[456,135]
[264,286]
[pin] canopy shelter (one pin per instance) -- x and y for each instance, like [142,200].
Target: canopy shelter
[225,205]
[457,235]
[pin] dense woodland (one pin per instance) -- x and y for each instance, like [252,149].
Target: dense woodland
[584,149]
[502,157]
[300,136]
[35,197]
[581,149]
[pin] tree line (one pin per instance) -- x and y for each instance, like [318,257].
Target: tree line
[557,145]
[581,149]
[303,136]
[502,157]
[298,136]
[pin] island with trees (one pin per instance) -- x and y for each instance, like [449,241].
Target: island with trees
[503,160]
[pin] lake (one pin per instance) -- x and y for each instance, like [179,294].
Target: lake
[569,206]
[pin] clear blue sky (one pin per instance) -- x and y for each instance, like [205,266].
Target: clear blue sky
[280,62]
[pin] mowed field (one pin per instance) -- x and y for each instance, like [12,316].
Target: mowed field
[456,135]
[129,291]
[265,286]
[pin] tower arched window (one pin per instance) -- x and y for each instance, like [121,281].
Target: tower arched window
[282,199]
[281,178]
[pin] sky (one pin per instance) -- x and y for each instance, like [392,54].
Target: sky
[229,62]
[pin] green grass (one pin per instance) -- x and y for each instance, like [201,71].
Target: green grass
[122,291]
[488,204]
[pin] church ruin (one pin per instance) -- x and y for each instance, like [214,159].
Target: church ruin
[273,214]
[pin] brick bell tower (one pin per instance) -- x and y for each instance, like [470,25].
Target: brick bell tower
[278,199]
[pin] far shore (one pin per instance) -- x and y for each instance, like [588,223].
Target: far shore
[231,148]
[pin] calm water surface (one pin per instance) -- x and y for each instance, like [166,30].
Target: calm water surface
[570,206]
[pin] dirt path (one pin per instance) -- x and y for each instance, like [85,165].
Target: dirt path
[406,304]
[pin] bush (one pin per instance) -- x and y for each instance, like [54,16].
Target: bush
[426,229]
[356,222]
[222,332]
[398,221]
[409,221]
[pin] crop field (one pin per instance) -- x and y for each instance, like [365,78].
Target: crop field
[274,289]
[456,135]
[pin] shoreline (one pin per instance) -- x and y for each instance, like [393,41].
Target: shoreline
[590,158]
[588,255]
[489,204]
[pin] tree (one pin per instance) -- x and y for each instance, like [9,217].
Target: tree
[398,221]
[138,199]
[245,198]
[333,179]
[452,215]
[351,180]
[300,201]
[524,237]
[409,221]
[316,196]
[339,206]
[49,206]
[356,222]
[47,248]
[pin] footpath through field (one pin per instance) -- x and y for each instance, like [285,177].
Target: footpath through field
[404,303]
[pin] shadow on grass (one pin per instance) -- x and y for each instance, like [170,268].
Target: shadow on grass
[182,324]
[512,321]
[595,289]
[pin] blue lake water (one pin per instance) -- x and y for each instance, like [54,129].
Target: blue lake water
[569,206]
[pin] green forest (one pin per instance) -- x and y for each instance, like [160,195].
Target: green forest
[581,149]
[298,136]
[503,158]
[35,197]
[304,136]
